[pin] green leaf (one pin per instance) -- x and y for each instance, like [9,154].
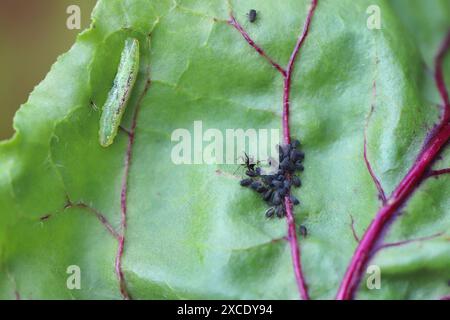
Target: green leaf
[191,230]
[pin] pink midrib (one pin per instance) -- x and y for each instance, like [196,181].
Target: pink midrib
[397,199]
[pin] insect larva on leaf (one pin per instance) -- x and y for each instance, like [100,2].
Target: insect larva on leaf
[119,94]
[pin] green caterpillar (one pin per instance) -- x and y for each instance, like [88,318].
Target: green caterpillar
[120,92]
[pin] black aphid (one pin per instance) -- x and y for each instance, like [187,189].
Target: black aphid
[296,181]
[267,195]
[285,164]
[246,182]
[275,187]
[255,185]
[252,15]
[294,200]
[276,198]
[283,192]
[277,184]
[299,165]
[261,189]
[279,211]
[303,231]
[283,151]
[252,169]
[268,179]
[297,155]
[270,212]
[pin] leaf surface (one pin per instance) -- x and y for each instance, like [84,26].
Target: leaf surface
[191,230]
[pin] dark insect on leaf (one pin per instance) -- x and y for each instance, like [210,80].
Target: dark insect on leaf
[251,170]
[245,182]
[274,188]
[255,185]
[294,200]
[267,195]
[276,199]
[297,155]
[295,144]
[277,184]
[270,212]
[279,211]
[252,15]
[283,152]
[261,189]
[299,166]
[296,181]
[303,231]
[285,164]
[268,179]
[46,217]
[251,173]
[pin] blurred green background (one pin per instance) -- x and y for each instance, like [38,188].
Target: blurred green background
[33,34]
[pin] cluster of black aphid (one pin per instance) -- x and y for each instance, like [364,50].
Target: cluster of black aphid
[275,187]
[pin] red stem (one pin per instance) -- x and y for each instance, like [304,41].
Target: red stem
[402,192]
[252,43]
[401,243]
[123,197]
[439,77]
[377,182]
[295,250]
[123,206]
[290,68]
[399,196]
[435,173]
[287,75]
[81,205]
[352,225]
[292,235]
[99,216]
